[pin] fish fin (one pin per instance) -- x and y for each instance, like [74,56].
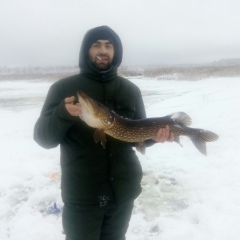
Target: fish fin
[208,136]
[200,139]
[141,147]
[99,135]
[200,145]
[181,118]
[177,140]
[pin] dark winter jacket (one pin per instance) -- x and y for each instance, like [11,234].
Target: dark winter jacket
[91,173]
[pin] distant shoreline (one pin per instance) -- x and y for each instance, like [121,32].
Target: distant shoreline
[222,68]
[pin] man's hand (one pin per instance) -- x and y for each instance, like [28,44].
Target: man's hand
[73,109]
[164,135]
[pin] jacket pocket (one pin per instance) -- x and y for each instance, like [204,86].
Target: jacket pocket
[134,173]
[127,176]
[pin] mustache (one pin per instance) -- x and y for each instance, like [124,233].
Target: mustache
[102,56]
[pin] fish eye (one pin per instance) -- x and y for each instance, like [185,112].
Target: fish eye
[106,121]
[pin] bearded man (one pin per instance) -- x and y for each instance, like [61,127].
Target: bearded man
[98,184]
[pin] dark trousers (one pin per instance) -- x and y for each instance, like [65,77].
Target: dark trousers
[94,223]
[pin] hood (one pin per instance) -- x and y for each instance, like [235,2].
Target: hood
[88,40]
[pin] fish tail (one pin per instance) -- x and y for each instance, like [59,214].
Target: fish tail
[200,137]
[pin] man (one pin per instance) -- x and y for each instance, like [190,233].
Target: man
[98,185]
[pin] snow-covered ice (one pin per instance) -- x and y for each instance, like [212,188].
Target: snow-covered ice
[186,196]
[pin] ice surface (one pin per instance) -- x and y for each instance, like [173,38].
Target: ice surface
[186,196]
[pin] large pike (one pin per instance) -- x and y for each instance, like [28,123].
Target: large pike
[137,131]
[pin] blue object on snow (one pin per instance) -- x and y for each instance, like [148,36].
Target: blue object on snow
[54,210]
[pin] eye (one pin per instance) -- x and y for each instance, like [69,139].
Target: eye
[106,121]
[109,46]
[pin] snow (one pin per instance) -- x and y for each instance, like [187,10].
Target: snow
[186,196]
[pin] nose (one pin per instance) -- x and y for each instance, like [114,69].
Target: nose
[103,49]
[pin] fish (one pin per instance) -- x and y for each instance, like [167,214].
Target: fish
[106,121]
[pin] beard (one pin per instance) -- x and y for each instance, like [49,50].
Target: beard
[104,64]
[102,67]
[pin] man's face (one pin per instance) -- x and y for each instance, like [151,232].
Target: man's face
[101,54]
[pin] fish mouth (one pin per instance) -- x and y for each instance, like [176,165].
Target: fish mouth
[82,95]
[86,102]
[90,105]
[94,113]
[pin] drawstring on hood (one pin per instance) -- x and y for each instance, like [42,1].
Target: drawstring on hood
[86,67]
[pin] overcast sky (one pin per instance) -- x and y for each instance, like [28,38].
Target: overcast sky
[49,32]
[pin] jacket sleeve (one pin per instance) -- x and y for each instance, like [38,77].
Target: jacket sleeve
[141,113]
[54,121]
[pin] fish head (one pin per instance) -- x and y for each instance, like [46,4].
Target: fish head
[94,113]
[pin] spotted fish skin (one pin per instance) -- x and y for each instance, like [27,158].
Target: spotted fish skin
[137,131]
